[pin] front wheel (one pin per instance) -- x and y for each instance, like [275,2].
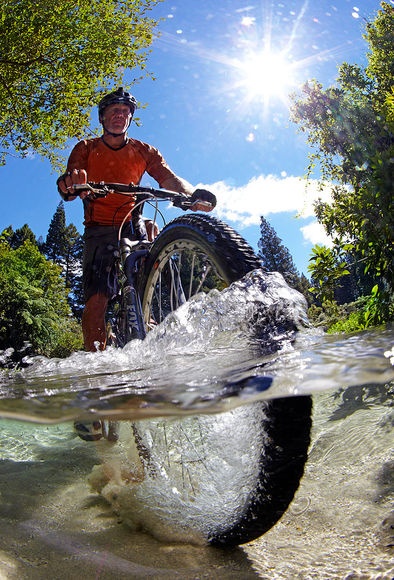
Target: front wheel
[223,479]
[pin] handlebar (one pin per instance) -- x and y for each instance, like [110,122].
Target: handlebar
[96,190]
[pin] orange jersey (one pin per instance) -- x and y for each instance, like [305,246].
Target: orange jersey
[124,165]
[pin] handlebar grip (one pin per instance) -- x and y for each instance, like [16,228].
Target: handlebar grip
[204,203]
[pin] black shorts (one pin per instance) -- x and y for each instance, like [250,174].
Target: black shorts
[99,258]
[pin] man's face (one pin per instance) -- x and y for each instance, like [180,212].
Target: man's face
[116,118]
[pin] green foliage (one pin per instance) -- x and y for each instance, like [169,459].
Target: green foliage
[326,315]
[350,129]
[336,319]
[19,236]
[33,299]
[367,311]
[381,56]
[326,269]
[352,323]
[378,308]
[55,57]
[67,339]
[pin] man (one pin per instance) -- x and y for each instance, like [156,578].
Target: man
[113,158]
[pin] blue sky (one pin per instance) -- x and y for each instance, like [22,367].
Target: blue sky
[218,111]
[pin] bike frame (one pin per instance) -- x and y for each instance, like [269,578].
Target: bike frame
[132,252]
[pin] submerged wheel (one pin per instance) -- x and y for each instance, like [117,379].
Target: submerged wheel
[227,478]
[223,479]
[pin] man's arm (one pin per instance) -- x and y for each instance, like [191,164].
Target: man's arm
[175,183]
[75,172]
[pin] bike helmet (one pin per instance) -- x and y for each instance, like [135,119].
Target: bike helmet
[118,96]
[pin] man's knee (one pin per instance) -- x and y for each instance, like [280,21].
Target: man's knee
[152,229]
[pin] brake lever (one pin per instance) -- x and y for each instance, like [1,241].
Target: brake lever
[92,192]
[202,203]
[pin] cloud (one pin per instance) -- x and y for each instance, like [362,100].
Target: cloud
[270,194]
[314,233]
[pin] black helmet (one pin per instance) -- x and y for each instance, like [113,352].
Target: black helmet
[118,96]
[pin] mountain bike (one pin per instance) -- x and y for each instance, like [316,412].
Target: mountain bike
[226,478]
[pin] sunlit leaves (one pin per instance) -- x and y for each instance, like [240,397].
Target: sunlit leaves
[54,57]
[326,269]
[381,56]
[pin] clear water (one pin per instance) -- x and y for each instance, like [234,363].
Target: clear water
[215,354]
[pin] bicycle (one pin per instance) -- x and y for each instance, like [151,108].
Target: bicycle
[227,478]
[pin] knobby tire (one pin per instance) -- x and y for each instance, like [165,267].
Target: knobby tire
[229,476]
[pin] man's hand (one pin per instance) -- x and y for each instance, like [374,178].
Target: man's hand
[202,200]
[65,184]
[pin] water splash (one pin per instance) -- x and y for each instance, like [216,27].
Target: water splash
[250,341]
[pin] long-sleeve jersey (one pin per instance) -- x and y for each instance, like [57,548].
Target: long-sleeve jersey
[125,165]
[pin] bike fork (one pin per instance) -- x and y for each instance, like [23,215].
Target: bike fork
[134,316]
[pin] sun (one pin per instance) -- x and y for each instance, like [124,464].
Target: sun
[265,76]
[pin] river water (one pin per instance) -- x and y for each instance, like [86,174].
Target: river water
[217,353]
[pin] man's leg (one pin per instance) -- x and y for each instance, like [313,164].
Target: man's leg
[95,337]
[93,323]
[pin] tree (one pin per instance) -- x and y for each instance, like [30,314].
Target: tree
[72,270]
[275,256]
[381,59]
[304,287]
[6,235]
[33,299]
[18,237]
[350,129]
[55,57]
[64,246]
[22,235]
[55,247]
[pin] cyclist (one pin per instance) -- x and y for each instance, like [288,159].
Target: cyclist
[113,158]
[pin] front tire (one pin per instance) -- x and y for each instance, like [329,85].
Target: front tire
[225,478]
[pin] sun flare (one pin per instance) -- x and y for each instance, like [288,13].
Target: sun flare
[265,76]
